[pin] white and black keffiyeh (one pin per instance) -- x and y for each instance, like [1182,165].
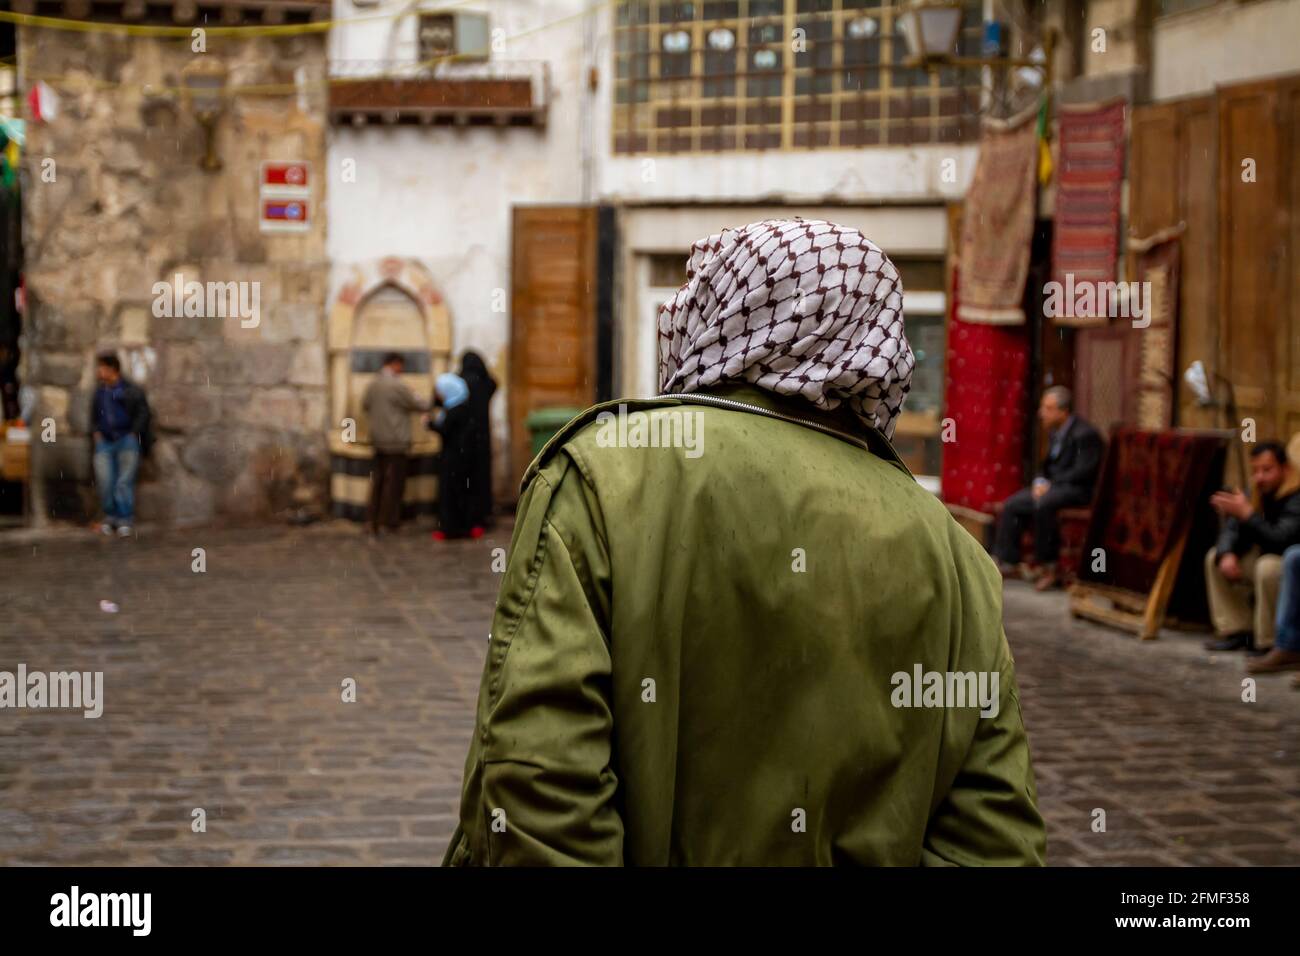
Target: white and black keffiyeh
[794,306]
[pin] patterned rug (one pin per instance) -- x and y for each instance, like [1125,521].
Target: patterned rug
[987,374]
[1090,167]
[1157,270]
[998,222]
[1153,484]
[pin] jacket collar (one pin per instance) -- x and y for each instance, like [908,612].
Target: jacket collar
[840,421]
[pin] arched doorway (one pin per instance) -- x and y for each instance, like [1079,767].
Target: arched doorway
[387,306]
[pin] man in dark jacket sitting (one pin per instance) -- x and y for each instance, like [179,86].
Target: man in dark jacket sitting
[1247,556]
[1065,480]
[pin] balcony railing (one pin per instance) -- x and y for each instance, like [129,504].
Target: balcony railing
[498,92]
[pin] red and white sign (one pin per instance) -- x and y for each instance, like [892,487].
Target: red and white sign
[288,180]
[284,197]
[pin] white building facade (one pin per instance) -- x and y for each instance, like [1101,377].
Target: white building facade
[679,119]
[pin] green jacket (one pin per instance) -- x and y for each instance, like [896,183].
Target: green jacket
[693,659]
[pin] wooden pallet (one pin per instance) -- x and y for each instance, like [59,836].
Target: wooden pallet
[1143,615]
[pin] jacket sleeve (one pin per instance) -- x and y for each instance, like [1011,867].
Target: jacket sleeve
[139,411]
[539,786]
[990,815]
[1274,537]
[1229,539]
[1087,459]
[411,403]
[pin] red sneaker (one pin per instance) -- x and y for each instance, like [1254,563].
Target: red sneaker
[439,536]
[476,532]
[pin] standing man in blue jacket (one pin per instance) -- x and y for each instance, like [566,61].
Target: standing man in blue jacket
[120,418]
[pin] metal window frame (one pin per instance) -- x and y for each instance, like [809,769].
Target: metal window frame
[639,100]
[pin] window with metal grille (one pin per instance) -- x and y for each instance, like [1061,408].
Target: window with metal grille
[457,35]
[710,75]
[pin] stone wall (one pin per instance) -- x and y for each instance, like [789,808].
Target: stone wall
[240,411]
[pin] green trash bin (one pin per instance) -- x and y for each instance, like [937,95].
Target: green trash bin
[545,422]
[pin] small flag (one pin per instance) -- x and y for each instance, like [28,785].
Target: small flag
[44,102]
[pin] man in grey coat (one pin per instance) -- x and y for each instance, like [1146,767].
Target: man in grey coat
[389,404]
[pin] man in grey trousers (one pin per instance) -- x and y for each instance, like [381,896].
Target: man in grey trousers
[389,404]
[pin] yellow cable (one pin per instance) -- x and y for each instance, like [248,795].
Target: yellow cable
[282,89]
[147,30]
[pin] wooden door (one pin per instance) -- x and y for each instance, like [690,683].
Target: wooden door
[1288,261]
[1197,333]
[1252,232]
[552,317]
[1172,181]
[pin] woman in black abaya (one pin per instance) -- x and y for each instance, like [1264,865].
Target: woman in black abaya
[454,421]
[481,388]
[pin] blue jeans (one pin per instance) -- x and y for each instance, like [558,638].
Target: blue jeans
[116,463]
[1287,634]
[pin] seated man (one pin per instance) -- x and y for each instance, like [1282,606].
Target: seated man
[1285,655]
[1065,480]
[1248,554]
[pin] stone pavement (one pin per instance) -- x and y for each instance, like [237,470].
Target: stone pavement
[1156,734]
[224,693]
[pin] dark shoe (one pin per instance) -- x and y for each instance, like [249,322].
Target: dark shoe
[1257,651]
[1242,640]
[1273,661]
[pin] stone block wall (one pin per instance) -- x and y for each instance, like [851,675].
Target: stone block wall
[115,201]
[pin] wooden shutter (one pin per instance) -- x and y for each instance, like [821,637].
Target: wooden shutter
[1288,261]
[1198,267]
[1252,231]
[552,317]
[1172,180]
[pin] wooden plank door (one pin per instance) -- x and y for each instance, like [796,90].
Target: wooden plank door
[1252,231]
[1198,268]
[1173,181]
[1288,307]
[552,317]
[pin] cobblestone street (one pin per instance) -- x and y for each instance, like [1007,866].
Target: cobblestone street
[223,692]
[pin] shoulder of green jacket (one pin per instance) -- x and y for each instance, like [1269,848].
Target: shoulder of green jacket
[870,440]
